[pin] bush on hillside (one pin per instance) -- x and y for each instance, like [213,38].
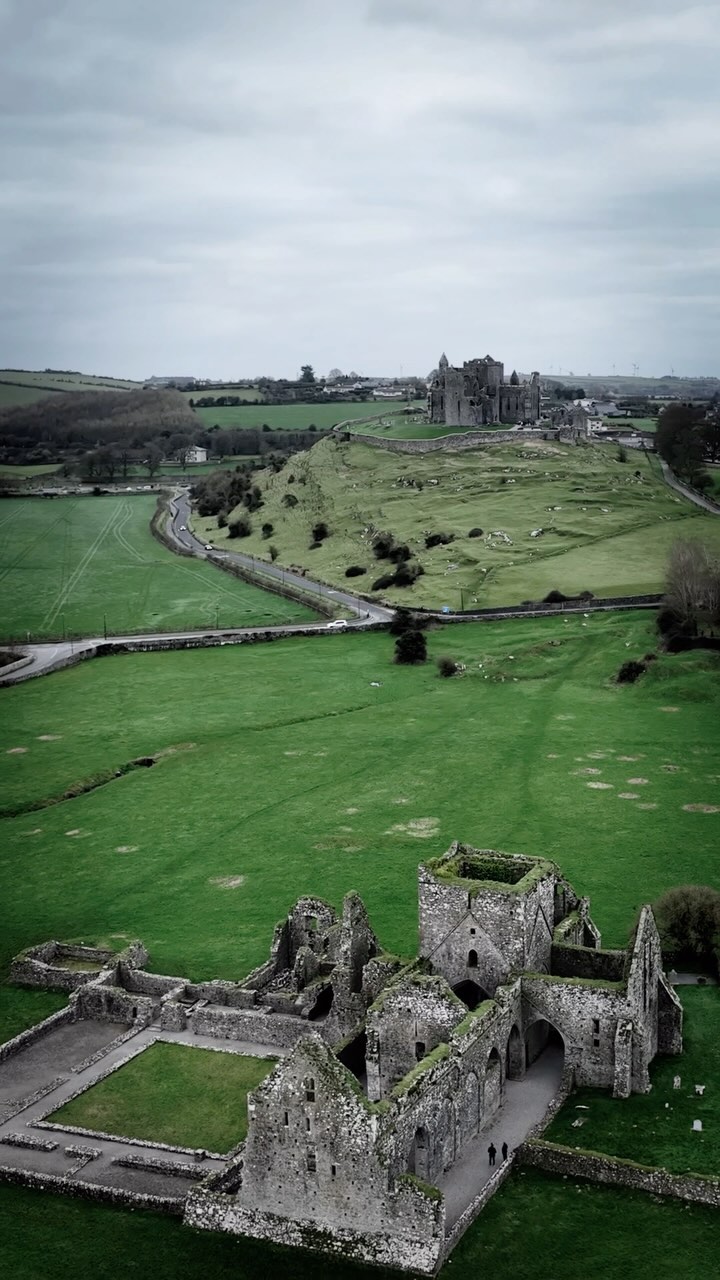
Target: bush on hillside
[400,553]
[240,527]
[439,539]
[688,921]
[554,597]
[410,648]
[320,531]
[222,520]
[354,571]
[404,620]
[290,501]
[273,552]
[267,529]
[383,545]
[630,672]
[447,666]
[475,533]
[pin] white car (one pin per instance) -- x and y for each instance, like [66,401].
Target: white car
[209,546]
[337,624]
[183,529]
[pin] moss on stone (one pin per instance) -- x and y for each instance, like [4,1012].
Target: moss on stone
[599,983]
[473,1016]
[439,1054]
[430,1193]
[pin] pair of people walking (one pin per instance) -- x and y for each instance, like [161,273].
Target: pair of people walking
[492,1152]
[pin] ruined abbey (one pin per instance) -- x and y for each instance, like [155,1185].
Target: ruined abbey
[476,395]
[367,1137]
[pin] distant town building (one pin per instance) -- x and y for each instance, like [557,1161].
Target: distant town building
[196,454]
[477,395]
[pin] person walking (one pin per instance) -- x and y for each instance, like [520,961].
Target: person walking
[492,1152]
[504,1149]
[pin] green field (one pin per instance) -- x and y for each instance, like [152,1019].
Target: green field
[250,394]
[172,1093]
[606,528]
[535,1227]
[22,473]
[282,772]
[288,417]
[20,386]
[77,566]
[656,1128]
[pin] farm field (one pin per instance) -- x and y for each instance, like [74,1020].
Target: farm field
[67,1239]
[250,394]
[282,771]
[606,528]
[656,1128]
[21,386]
[172,1093]
[79,565]
[23,473]
[288,417]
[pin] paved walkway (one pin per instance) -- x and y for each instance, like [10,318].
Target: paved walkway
[101,1170]
[526,1102]
[706,504]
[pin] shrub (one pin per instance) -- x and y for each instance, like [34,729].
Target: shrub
[630,672]
[554,597]
[290,501]
[385,580]
[688,921]
[267,529]
[222,520]
[320,531]
[439,539]
[447,666]
[586,595]
[383,545]
[621,455]
[354,571]
[273,552]
[410,648]
[240,527]
[402,621]
[400,553]
[475,533]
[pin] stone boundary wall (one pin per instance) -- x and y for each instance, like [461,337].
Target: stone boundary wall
[21,1104]
[456,441]
[16,665]
[153,1164]
[467,1218]
[539,608]
[274,1029]
[566,1162]
[91,1190]
[26,1038]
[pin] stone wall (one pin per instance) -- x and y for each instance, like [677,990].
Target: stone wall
[91,1190]
[566,1162]
[255,1026]
[33,1034]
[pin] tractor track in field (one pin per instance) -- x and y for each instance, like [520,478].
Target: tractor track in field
[78,572]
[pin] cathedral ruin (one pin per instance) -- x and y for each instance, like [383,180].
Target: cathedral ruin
[477,395]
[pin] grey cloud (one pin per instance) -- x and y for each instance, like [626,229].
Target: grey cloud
[248,184]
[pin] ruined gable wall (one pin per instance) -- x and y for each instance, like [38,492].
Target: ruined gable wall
[587,1018]
[310,1158]
[410,1023]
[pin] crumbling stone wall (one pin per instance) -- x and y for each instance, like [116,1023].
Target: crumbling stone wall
[406,1024]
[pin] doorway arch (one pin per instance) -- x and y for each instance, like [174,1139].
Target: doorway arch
[539,1036]
[515,1055]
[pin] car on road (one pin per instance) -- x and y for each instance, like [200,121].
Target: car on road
[337,624]
[209,546]
[183,529]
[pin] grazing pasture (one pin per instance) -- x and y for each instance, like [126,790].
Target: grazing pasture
[598,524]
[82,565]
[288,417]
[282,770]
[172,1093]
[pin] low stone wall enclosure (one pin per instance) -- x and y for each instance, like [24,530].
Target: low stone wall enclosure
[567,1162]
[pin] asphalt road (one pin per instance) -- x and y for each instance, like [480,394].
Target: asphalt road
[364,612]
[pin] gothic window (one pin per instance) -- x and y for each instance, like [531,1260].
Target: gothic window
[310,1090]
[419,1050]
[311,1162]
[472,959]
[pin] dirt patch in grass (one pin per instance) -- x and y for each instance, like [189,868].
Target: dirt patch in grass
[49,737]
[701,808]
[227,882]
[16,751]
[579,773]
[628,795]
[638,782]
[600,786]
[418,828]
[126,848]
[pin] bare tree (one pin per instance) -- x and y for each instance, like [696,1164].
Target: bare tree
[692,586]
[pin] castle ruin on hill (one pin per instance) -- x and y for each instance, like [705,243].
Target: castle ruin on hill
[477,395]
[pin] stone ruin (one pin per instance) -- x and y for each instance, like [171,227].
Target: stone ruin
[392,1072]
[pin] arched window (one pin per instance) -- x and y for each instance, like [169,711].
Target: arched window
[310,1090]
[472,959]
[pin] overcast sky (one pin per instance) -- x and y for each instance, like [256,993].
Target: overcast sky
[238,187]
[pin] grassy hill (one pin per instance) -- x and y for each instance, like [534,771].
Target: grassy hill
[286,417]
[23,386]
[607,525]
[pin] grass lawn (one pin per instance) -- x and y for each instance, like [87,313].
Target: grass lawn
[172,1093]
[656,1128]
[535,1227]
[605,528]
[299,776]
[287,417]
[39,469]
[72,566]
